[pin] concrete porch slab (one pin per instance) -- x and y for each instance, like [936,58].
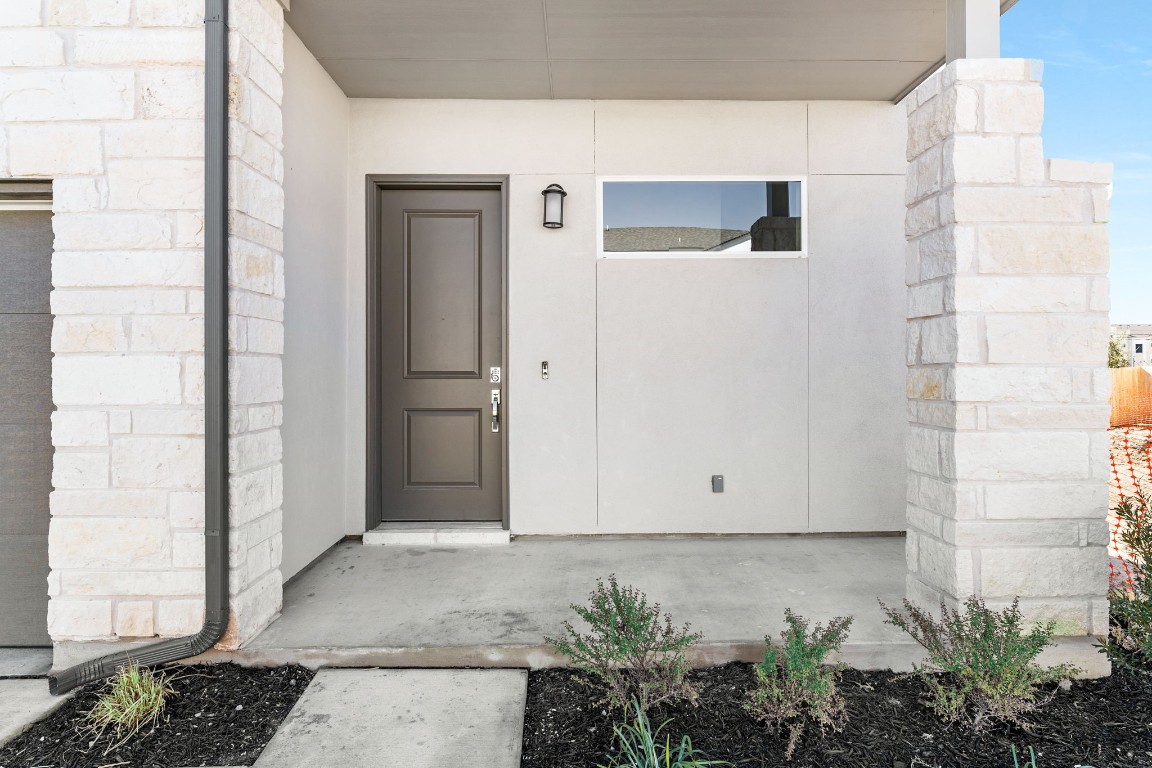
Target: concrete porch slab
[493,606]
[25,662]
[436,535]
[416,718]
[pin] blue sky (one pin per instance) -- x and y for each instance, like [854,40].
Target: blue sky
[1098,106]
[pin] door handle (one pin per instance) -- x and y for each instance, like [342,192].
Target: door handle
[495,410]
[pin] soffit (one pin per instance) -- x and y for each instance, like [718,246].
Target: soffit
[623,49]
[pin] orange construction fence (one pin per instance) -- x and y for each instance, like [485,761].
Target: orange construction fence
[1131,396]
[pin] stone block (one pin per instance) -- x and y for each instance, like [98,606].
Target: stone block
[156,184]
[1079,171]
[1046,338]
[134,618]
[1018,205]
[980,160]
[139,47]
[922,218]
[79,470]
[171,94]
[156,139]
[1022,455]
[158,462]
[128,583]
[1012,384]
[177,618]
[1013,109]
[20,13]
[1011,70]
[119,422]
[926,299]
[264,336]
[1033,171]
[193,379]
[1020,417]
[123,269]
[55,95]
[156,421]
[255,379]
[111,231]
[79,194]
[86,619]
[171,13]
[254,450]
[167,334]
[986,293]
[1044,571]
[126,301]
[79,428]
[79,543]
[53,150]
[947,251]
[30,48]
[926,383]
[114,502]
[186,509]
[945,567]
[923,449]
[87,13]
[980,534]
[1022,249]
[88,334]
[188,549]
[115,380]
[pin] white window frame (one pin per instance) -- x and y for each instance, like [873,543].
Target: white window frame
[702,255]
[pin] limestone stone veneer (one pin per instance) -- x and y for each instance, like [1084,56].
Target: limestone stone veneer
[1007,266]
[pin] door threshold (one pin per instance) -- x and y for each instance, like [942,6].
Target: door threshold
[437,534]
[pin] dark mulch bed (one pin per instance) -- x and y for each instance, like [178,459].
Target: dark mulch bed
[221,714]
[1103,723]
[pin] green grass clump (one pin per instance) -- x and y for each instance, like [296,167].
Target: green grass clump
[641,747]
[135,698]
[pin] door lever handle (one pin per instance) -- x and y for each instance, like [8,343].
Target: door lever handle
[495,410]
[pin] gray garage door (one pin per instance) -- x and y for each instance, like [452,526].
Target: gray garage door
[25,422]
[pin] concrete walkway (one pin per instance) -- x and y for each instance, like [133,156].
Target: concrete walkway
[416,718]
[23,702]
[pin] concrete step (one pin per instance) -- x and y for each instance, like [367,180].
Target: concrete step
[437,535]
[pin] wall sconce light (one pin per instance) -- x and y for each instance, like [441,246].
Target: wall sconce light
[554,196]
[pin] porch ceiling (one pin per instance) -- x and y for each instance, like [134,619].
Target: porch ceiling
[608,49]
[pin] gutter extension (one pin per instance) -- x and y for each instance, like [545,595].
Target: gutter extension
[216,565]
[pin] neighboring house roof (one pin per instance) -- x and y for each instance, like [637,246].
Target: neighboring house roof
[639,239]
[1132,329]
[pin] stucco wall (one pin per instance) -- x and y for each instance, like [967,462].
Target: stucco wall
[315,216]
[784,375]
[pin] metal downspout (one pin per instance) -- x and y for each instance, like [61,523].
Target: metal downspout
[215,380]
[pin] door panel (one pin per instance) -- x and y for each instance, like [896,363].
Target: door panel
[25,425]
[439,258]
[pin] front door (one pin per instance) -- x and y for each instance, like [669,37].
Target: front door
[440,330]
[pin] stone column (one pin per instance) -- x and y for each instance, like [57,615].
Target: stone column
[1007,266]
[106,99]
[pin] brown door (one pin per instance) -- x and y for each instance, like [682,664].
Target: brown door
[440,315]
[25,424]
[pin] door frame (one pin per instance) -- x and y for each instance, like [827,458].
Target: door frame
[376,184]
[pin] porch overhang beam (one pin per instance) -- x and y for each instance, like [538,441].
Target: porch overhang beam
[973,29]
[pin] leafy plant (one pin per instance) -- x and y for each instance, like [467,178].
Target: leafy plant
[135,698]
[981,663]
[631,649]
[792,684]
[640,747]
[1130,632]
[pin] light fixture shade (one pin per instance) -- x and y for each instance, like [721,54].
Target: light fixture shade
[554,195]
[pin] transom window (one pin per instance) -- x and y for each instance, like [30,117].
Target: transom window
[721,218]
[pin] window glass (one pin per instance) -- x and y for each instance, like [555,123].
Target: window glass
[702,216]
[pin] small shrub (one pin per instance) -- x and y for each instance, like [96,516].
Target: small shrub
[135,698]
[1130,632]
[981,664]
[792,684]
[631,649]
[640,747]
